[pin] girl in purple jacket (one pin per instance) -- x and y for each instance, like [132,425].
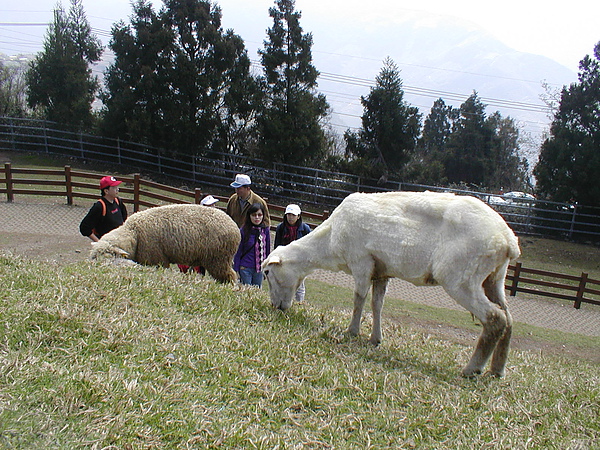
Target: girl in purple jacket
[254,247]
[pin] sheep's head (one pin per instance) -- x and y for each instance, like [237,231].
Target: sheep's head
[283,281]
[104,248]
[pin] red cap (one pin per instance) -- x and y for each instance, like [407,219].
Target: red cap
[108,182]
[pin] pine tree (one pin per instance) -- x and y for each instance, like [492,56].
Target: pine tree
[437,129]
[468,159]
[137,95]
[479,150]
[60,79]
[179,81]
[290,124]
[569,162]
[12,90]
[508,168]
[390,126]
[426,167]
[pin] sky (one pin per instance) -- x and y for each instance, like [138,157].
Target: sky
[563,33]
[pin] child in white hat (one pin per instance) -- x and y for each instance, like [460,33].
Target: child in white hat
[209,200]
[291,229]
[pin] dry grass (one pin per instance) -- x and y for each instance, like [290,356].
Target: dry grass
[131,357]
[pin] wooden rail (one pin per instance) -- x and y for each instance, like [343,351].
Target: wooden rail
[575,291]
[134,191]
[142,193]
[284,183]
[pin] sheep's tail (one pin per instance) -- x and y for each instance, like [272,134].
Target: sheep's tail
[494,283]
[514,251]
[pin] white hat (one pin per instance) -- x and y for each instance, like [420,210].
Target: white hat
[208,200]
[293,209]
[241,180]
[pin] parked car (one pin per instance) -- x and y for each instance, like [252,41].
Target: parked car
[509,198]
[497,200]
[518,195]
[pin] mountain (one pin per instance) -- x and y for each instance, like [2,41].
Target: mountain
[437,57]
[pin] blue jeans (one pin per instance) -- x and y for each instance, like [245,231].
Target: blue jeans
[251,276]
[300,292]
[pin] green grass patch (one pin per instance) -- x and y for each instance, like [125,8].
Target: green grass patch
[95,356]
[560,256]
[336,298]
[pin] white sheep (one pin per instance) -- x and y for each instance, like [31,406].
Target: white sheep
[427,238]
[193,235]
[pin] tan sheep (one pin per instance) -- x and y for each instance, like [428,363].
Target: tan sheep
[193,235]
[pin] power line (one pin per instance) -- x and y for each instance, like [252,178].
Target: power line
[345,79]
[23,24]
[431,93]
[434,93]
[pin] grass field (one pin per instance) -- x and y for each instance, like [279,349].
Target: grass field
[127,357]
[116,357]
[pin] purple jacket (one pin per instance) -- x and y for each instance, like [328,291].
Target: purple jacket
[246,255]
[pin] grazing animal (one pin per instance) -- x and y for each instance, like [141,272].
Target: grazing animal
[426,238]
[193,235]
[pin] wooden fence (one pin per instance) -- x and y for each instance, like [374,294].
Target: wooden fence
[73,184]
[135,191]
[282,183]
[576,291]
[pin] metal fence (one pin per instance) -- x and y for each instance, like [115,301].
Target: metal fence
[140,193]
[283,183]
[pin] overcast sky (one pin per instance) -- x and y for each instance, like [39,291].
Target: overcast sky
[563,33]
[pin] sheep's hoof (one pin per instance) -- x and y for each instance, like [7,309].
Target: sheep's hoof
[470,373]
[352,332]
[375,341]
[495,374]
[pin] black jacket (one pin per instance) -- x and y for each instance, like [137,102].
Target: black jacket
[98,223]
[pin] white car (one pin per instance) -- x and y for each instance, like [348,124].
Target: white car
[496,200]
[518,195]
[510,198]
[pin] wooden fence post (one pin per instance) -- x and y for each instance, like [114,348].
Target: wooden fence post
[581,290]
[9,185]
[136,192]
[69,185]
[572,228]
[515,281]
[197,195]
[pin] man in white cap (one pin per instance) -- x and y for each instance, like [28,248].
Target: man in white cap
[244,197]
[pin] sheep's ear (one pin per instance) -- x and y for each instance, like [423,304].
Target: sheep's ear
[275,260]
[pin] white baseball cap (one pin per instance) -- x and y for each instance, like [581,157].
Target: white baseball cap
[241,180]
[208,200]
[293,209]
